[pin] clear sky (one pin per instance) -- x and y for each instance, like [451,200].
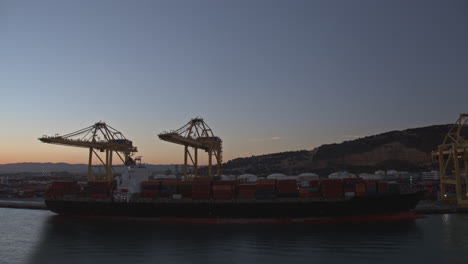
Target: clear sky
[267,76]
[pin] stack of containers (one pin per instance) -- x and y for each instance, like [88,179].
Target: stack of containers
[287,188]
[246,191]
[349,186]
[61,188]
[150,189]
[265,189]
[201,188]
[185,189]
[312,189]
[168,188]
[224,190]
[371,187]
[331,188]
[361,189]
[99,190]
[382,187]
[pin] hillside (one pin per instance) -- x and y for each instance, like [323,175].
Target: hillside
[62,167]
[407,150]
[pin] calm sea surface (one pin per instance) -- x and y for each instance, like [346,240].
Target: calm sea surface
[35,236]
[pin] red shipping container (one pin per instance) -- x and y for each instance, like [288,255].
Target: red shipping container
[382,187]
[286,182]
[246,186]
[202,179]
[303,193]
[314,183]
[225,182]
[169,183]
[266,182]
[222,188]
[361,187]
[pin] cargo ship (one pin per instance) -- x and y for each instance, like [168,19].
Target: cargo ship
[134,193]
[203,200]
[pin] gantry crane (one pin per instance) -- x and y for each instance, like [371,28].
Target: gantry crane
[453,161]
[101,137]
[197,135]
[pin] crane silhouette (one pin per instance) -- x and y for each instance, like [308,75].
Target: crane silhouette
[101,137]
[197,135]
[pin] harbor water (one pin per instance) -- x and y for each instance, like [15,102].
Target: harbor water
[38,236]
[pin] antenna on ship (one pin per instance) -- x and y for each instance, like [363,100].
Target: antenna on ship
[102,137]
[197,135]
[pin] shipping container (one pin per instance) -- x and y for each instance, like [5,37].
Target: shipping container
[287,187]
[361,189]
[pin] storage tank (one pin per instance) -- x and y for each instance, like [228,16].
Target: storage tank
[159,176]
[341,175]
[392,175]
[248,178]
[277,176]
[307,176]
[368,176]
[380,172]
[228,177]
[304,179]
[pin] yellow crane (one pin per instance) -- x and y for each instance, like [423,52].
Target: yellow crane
[98,137]
[197,135]
[453,162]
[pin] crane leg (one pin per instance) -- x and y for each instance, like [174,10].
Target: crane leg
[90,169]
[185,162]
[466,170]
[218,171]
[209,162]
[195,164]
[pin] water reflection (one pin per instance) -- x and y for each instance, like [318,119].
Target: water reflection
[96,241]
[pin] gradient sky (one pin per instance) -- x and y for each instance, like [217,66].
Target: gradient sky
[267,76]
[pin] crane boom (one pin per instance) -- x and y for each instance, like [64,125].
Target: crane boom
[197,135]
[99,136]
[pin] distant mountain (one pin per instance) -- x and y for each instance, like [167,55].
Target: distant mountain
[407,150]
[42,167]
[72,168]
